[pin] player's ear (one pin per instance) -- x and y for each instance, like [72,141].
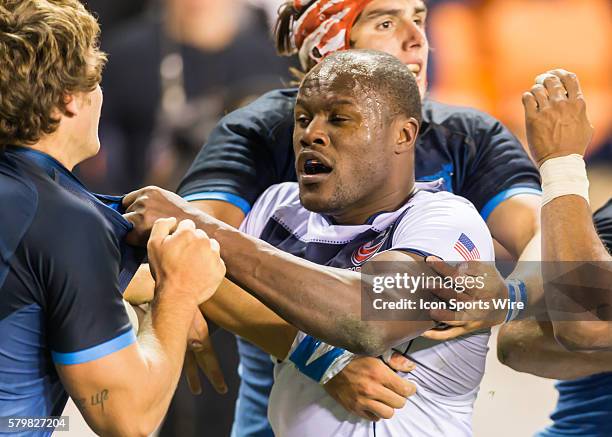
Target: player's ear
[407,131]
[71,107]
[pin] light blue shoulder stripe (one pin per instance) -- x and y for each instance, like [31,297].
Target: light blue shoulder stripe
[505,195]
[96,352]
[234,199]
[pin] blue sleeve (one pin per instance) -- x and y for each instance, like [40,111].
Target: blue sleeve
[316,359]
[499,169]
[247,152]
[86,318]
[603,224]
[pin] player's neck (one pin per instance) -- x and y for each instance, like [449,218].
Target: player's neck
[380,202]
[60,148]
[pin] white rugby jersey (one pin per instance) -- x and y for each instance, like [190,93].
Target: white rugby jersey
[448,374]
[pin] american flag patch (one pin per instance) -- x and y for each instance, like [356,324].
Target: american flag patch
[466,248]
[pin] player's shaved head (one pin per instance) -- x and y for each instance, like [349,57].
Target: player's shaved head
[357,113]
[370,70]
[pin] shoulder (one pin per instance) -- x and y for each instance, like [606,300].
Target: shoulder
[280,201]
[441,202]
[67,223]
[434,223]
[19,198]
[268,110]
[458,118]
[286,194]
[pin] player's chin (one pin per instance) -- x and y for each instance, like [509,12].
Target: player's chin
[313,200]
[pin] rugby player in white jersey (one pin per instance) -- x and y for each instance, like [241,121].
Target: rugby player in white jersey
[356,121]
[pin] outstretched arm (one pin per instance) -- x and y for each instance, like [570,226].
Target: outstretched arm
[559,131]
[299,290]
[529,346]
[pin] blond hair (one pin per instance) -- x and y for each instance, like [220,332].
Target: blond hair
[48,49]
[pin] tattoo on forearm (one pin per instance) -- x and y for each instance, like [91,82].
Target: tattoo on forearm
[81,403]
[99,399]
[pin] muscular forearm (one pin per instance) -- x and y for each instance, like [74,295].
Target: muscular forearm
[530,347]
[231,308]
[163,347]
[324,302]
[127,393]
[580,316]
[566,221]
[237,311]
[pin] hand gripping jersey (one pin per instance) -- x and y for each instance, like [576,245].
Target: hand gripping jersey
[448,374]
[63,267]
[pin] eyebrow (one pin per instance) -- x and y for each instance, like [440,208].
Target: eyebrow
[380,12]
[335,102]
[393,12]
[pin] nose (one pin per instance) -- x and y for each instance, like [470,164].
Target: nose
[414,36]
[315,134]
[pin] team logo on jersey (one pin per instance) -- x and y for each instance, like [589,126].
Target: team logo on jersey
[368,250]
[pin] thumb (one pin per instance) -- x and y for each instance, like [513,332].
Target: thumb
[441,267]
[400,363]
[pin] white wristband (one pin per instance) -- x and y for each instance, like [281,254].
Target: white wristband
[564,176]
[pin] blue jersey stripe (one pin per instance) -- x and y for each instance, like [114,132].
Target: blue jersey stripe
[317,368]
[234,199]
[93,353]
[505,195]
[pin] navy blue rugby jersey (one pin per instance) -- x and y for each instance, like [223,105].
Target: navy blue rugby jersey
[60,274]
[584,407]
[251,149]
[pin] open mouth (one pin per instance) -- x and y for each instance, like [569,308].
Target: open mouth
[314,167]
[415,69]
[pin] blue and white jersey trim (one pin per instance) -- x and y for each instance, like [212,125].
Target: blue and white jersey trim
[96,352]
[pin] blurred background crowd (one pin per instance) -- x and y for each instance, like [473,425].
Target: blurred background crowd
[177,66]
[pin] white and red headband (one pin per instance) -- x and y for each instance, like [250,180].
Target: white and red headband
[324,27]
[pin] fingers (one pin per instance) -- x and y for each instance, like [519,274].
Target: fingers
[198,331]
[369,416]
[398,386]
[541,96]
[185,226]
[555,89]
[162,228]
[443,268]
[206,356]
[552,86]
[447,334]
[214,245]
[400,363]
[191,373]
[446,294]
[530,104]
[447,316]
[570,82]
[379,409]
[390,398]
[130,198]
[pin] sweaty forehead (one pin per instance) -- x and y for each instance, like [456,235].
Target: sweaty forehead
[352,80]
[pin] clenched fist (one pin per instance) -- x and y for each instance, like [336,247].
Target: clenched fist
[184,260]
[147,205]
[555,117]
